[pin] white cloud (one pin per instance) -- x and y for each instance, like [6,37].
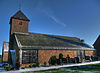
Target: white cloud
[54,18]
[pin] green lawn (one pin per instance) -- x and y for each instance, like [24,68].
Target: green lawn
[63,71]
[93,68]
[53,71]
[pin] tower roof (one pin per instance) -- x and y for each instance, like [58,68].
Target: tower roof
[20,15]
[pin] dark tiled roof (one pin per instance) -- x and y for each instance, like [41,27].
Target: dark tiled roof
[97,42]
[44,40]
[20,15]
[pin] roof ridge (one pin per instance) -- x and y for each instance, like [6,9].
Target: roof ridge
[54,35]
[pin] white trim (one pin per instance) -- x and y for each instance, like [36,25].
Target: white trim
[18,42]
[46,47]
[20,56]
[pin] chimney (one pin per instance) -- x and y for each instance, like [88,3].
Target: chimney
[82,41]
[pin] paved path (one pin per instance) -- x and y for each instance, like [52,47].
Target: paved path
[47,68]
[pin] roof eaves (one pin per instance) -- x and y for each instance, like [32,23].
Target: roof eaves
[46,47]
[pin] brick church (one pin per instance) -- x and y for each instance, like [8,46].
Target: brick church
[35,46]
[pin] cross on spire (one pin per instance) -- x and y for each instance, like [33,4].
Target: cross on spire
[19,5]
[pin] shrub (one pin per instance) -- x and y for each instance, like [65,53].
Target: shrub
[45,63]
[58,61]
[94,58]
[72,60]
[30,65]
[34,65]
[17,65]
[11,67]
[60,56]
[37,63]
[53,60]
[67,55]
[6,66]
[64,60]
[76,60]
[68,59]
[8,69]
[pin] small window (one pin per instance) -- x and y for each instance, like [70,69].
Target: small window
[20,23]
[29,56]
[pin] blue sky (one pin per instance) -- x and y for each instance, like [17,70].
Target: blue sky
[75,18]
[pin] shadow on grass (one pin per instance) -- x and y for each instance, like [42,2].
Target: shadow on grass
[92,68]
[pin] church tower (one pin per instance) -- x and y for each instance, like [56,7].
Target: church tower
[19,23]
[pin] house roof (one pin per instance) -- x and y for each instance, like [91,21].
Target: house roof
[97,42]
[20,15]
[44,41]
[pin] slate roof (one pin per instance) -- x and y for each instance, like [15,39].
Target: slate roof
[20,15]
[44,41]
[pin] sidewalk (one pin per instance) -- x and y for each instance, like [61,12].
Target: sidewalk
[51,67]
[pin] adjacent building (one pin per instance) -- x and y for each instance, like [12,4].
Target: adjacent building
[97,46]
[5,50]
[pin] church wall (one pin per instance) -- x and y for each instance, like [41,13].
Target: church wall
[89,52]
[13,46]
[19,26]
[44,55]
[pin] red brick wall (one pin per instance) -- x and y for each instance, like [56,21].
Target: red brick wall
[44,55]
[5,57]
[16,27]
[89,52]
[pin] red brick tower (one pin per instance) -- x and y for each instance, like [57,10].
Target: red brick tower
[19,23]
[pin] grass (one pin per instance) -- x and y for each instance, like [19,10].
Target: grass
[92,68]
[53,71]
